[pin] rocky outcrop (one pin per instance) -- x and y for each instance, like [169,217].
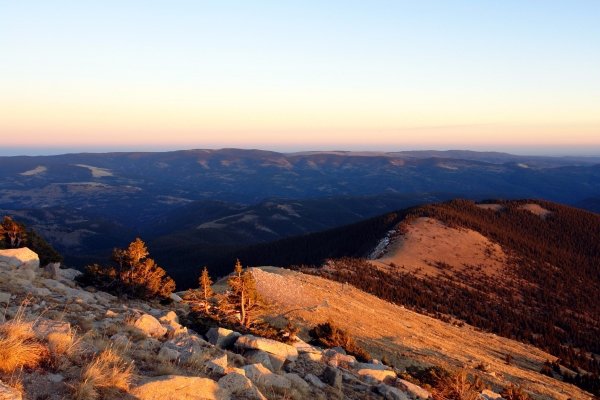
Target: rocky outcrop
[19,258]
[174,362]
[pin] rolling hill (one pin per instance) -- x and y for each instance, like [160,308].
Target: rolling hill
[525,269]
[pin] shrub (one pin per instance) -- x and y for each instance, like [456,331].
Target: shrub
[329,335]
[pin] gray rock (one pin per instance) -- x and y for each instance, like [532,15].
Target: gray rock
[270,346]
[391,393]
[175,297]
[187,345]
[259,356]
[218,364]
[333,377]
[240,386]
[5,298]
[222,337]
[150,326]
[298,383]
[377,374]
[69,274]
[315,381]
[56,378]
[120,340]
[416,391]
[380,367]
[52,270]
[260,375]
[168,354]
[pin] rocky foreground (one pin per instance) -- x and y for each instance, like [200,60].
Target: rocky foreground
[170,361]
[99,346]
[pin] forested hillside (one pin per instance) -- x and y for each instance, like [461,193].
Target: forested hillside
[547,297]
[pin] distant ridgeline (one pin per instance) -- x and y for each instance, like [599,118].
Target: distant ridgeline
[548,295]
[14,234]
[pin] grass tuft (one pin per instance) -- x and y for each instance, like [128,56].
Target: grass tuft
[106,372]
[18,346]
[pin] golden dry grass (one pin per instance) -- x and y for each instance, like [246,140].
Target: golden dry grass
[62,346]
[18,346]
[106,372]
[456,387]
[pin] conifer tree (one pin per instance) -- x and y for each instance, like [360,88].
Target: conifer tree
[206,288]
[13,231]
[244,296]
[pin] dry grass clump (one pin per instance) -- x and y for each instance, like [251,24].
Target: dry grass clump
[513,392]
[329,335]
[62,346]
[18,346]
[456,387]
[107,372]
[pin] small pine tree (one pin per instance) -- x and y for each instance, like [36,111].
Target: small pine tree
[244,296]
[136,274]
[13,233]
[206,288]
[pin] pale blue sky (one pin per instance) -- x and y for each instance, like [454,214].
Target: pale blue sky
[300,74]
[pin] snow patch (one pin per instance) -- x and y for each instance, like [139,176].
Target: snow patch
[96,171]
[37,170]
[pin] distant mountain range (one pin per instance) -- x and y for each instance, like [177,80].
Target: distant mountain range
[187,204]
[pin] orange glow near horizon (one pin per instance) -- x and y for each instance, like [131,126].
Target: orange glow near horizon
[387,75]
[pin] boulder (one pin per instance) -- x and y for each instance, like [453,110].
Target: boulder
[168,354]
[391,393]
[69,274]
[19,258]
[179,387]
[52,270]
[150,326]
[377,374]
[270,346]
[222,337]
[315,381]
[304,347]
[260,375]
[298,383]
[259,357]
[187,345]
[240,386]
[218,364]
[333,377]
[9,393]
[416,391]
[170,318]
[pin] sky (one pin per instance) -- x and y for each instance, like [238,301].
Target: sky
[520,76]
